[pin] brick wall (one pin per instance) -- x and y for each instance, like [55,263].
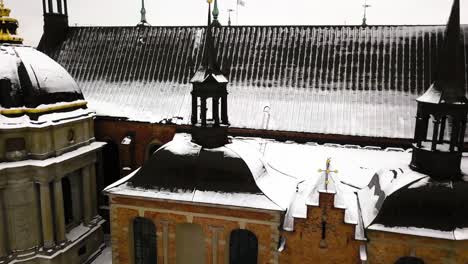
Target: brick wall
[145,133]
[166,216]
[303,244]
[385,247]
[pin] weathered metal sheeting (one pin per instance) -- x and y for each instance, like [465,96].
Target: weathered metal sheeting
[337,80]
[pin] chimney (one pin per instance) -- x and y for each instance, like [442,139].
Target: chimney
[55,24]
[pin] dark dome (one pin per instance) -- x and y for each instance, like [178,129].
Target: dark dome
[29,78]
[427,204]
[182,164]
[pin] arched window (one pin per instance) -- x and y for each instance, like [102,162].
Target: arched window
[190,244]
[144,241]
[67,201]
[409,260]
[243,247]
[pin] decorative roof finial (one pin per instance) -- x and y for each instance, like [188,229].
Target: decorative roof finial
[209,56]
[216,14]
[229,19]
[143,21]
[364,18]
[8,26]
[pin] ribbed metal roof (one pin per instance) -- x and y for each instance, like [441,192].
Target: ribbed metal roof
[337,80]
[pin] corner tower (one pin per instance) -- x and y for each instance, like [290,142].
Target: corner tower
[209,86]
[8,27]
[442,111]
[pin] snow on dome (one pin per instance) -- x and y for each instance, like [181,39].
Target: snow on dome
[408,202]
[30,79]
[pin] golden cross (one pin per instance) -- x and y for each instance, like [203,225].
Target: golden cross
[327,172]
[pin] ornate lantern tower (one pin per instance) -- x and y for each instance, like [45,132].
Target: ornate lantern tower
[8,26]
[209,86]
[442,111]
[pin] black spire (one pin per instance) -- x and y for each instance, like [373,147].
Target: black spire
[449,86]
[442,111]
[209,84]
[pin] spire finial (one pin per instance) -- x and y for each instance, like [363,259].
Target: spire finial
[143,21]
[216,14]
[364,18]
[209,55]
[229,19]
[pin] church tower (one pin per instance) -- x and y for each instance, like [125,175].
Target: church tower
[209,86]
[442,111]
[8,27]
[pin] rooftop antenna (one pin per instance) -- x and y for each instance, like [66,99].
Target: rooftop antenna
[143,21]
[229,19]
[364,19]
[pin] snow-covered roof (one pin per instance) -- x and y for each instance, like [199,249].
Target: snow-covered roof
[288,177]
[408,202]
[290,181]
[232,175]
[345,80]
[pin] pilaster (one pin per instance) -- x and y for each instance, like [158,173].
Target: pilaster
[87,196]
[46,215]
[3,237]
[93,190]
[59,211]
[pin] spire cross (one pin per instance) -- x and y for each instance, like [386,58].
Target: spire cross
[327,173]
[229,12]
[364,19]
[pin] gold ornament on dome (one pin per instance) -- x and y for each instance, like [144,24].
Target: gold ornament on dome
[6,23]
